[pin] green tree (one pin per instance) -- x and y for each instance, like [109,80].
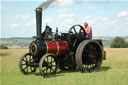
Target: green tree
[119,42]
[3,47]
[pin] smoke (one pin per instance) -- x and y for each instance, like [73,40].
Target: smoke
[45,4]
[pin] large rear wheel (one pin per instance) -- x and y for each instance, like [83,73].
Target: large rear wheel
[89,56]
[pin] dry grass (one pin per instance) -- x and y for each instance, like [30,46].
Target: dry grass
[114,71]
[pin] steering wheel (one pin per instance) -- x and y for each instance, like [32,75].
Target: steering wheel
[75,31]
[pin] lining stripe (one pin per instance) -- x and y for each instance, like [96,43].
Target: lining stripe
[57,53]
[46,46]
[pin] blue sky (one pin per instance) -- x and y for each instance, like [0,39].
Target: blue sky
[107,18]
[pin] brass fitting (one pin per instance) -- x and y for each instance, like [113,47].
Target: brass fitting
[38,9]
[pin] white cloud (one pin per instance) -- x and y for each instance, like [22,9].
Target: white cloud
[14,25]
[67,22]
[87,17]
[23,16]
[63,2]
[4,8]
[126,30]
[62,10]
[33,22]
[70,21]
[66,15]
[101,18]
[92,7]
[113,22]
[123,13]
[48,20]
[97,20]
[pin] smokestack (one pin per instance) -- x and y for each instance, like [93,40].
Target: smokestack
[38,22]
[38,10]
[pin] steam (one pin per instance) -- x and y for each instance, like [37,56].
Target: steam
[45,4]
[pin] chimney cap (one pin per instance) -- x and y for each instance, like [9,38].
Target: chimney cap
[39,9]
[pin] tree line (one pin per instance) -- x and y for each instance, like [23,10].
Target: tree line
[119,42]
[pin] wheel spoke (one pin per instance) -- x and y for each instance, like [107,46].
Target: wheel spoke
[31,69]
[45,69]
[90,50]
[29,57]
[51,59]
[50,70]
[75,30]
[27,68]
[86,51]
[45,64]
[47,59]
[23,64]
[23,60]
[87,67]
[26,58]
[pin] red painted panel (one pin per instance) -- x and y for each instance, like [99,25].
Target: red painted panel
[52,47]
[63,48]
[57,48]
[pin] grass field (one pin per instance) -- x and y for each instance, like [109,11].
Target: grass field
[114,71]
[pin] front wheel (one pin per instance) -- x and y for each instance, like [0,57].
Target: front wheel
[24,64]
[48,65]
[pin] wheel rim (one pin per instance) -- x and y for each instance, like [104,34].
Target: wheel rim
[48,65]
[25,62]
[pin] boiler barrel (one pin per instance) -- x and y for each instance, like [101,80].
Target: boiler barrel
[38,48]
[57,48]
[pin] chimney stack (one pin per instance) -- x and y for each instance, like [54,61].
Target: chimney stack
[38,22]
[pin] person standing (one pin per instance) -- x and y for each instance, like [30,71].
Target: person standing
[88,30]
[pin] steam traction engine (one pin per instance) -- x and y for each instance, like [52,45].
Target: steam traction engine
[52,51]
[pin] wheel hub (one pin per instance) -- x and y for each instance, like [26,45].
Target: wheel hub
[49,65]
[28,63]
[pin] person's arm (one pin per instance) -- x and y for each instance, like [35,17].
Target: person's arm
[88,30]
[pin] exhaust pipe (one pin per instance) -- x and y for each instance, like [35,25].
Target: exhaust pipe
[38,22]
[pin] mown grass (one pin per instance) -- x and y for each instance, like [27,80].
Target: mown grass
[114,71]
